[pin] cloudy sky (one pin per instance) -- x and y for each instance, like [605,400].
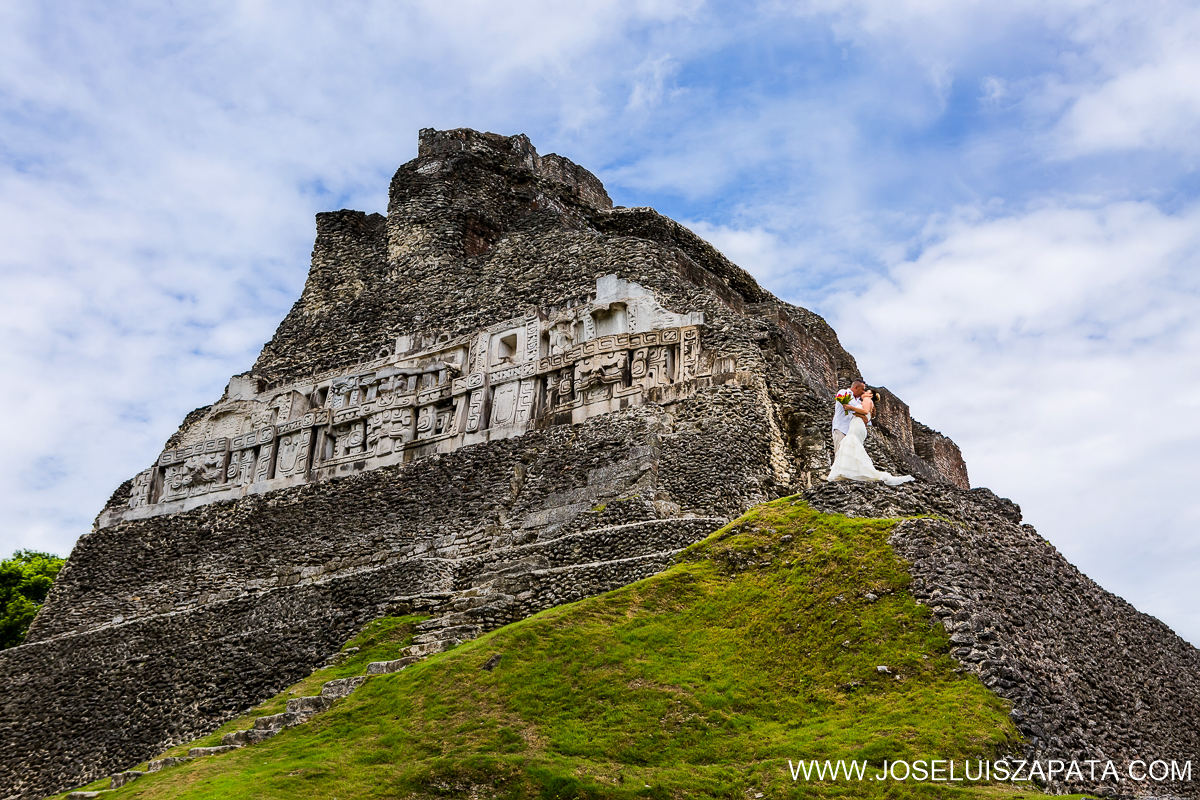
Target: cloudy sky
[997,205]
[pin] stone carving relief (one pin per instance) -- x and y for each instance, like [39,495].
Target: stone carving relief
[433,396]
[198,474]
[242,468]
[292,453]
[595,376]
[139,495]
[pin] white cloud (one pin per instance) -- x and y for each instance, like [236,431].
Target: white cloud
[1153,105]
[994,89]
[1057,348]
[647,91]
[756,250]
[1131,80]
[1106,75]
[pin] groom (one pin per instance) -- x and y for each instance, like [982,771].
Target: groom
[841,419]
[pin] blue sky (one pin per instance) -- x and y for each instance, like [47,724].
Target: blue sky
[996,206]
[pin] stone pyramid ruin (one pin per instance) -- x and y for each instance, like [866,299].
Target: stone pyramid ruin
[505,395]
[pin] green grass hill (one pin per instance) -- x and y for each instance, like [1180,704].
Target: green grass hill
[764,644]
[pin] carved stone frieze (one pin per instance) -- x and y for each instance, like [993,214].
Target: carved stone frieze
[541,367]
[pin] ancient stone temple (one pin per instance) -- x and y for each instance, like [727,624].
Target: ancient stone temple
[504,395]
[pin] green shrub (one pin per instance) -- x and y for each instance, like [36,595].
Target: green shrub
[25,580]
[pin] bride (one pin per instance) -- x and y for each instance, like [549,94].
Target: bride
[852,461]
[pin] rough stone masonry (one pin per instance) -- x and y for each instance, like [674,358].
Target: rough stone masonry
[504,395]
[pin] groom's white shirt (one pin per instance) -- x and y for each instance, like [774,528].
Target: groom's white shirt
[841,420]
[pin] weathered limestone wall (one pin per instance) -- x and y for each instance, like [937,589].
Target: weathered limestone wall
[1090,677]
[940,452]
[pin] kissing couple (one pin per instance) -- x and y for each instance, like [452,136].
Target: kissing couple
[851,415]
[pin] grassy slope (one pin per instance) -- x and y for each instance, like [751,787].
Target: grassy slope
[701,681]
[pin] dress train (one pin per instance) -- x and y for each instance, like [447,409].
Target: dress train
[853,463]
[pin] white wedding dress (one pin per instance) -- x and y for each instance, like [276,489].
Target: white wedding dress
[852,462]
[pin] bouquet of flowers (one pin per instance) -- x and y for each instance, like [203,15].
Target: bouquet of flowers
[844,397]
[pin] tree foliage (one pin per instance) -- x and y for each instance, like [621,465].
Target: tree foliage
[25,580]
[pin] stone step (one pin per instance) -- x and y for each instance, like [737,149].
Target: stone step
[455,619]
[517,551]
[385,667]
[459,632]
[162,763]
[199,752]
[586,496]
[430,648]
[309,705]
[501,605]
[249,737]
[416,603]
[121,778]
[277,722]
[341,687]
[557,515]
[437,623]
[469,602]
[86,795]
[659,556]
[639,460]
[340,656]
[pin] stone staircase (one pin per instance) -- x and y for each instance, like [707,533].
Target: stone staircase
[500,588]
[299,710]
[437,635]
[459,617]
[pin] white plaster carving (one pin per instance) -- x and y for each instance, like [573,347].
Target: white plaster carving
[475,410]
[433,394]
[143,482]
[292,451]
[504,404]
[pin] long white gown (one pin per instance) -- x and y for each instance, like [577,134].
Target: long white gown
[853,463]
